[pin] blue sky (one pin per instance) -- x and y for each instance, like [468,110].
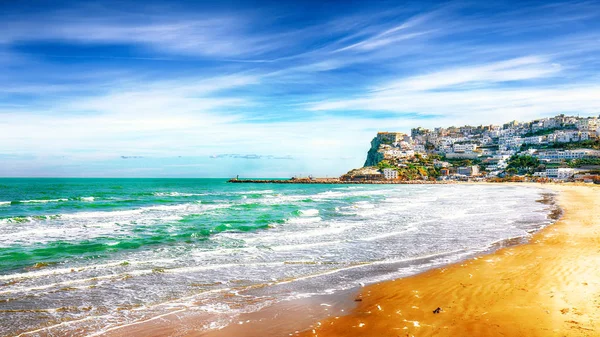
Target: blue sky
[219,88]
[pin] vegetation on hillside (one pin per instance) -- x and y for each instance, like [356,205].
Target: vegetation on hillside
[584,162]
[463,162]
[522,164]
[417,168]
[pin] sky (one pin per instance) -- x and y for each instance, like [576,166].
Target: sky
[274,88]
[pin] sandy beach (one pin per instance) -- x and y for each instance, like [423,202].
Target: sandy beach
[548,287]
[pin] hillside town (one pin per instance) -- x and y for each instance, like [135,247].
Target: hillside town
[557,148]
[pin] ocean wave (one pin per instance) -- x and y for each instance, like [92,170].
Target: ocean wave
[89,225]
[255,192]
[24,219]
[177,194]
[45,201]
[312,244]
[303,246]
[390,234]
[280,199]
[308,212]
[304,220]
[73,281]
[331,194]
[327,230]
[190,207]
[38,201]
[60,271]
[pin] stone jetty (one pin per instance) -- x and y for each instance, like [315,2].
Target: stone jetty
[333,181]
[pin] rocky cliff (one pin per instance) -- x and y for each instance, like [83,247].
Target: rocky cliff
[374,156]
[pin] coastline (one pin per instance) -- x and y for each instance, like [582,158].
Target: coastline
[547,287]
[337,181]
[291,318]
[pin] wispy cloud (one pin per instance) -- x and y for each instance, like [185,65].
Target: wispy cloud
[209,34]
[409,29]
[93,83]
[518,69]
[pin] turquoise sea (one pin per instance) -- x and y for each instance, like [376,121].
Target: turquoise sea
[87,255]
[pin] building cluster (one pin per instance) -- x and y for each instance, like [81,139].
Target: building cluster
[494,145]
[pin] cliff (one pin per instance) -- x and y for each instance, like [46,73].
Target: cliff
[374,156]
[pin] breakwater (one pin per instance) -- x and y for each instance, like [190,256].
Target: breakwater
[335,181]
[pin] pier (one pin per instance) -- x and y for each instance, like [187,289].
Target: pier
[333,181]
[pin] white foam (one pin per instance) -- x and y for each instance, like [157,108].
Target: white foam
[43,201]
[281,199]
[75,281]
[101,214]
[351,193]
[177,194]
[363,204]
[304,220]
[309,212]
[88,225]
[303,246]
[390,234]
[255,192]
[331,194]
[59,271]
[191,207]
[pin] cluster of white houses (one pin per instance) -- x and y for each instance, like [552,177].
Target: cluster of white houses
[556,173]
[495,144]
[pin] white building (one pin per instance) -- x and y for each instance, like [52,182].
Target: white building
[390,174]
[420,148]
[588,124]
[560,173]
[584,136]
[511,141]
[533,140]
[568,154]
[397,154]
[568,136]
[440,164]
[464,147]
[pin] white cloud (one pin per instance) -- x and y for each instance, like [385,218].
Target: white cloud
[416,67]
[209,34]
[523,68]
[480,105]
[470,94]
[396,33]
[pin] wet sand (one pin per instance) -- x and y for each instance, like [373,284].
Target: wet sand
[548,287]
[279,319]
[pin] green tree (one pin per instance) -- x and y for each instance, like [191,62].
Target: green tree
[523,164]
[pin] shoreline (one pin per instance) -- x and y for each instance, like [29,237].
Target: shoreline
[549,286]
[299,315]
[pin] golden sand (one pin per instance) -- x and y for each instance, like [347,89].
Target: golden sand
[549,287]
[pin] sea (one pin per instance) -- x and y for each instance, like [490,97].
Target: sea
[83,256]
